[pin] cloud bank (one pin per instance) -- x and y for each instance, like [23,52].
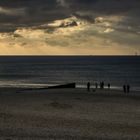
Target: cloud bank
[69,27]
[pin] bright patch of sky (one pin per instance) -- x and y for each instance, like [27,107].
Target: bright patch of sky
[70,27]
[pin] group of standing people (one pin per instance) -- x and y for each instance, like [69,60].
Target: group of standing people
[101,85]
[126,88]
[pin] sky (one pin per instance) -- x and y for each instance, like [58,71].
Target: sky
[69,27]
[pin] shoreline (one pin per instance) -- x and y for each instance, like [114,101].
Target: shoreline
[93,91]
[47,86]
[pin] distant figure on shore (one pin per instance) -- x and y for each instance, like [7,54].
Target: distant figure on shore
[102,85]
[96,85]
[124,88]
[88,86]
[108,85]
[128,88]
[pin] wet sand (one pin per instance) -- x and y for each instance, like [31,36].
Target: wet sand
[69,114]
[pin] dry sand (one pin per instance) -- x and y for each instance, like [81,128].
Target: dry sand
[71,114]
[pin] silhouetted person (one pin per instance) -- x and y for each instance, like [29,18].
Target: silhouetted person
[128,88]
[88,86]
[96,85]
[108,85]
[124,88]
[102,85]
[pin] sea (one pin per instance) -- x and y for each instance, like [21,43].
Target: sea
[43,71]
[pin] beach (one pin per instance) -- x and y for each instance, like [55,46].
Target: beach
[41,114]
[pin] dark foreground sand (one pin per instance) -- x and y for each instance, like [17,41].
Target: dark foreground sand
[68,114]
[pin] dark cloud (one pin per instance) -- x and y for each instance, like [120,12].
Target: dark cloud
[35,12]
[104,5]
[26,3]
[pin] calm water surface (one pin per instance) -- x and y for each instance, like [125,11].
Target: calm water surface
[38,71]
